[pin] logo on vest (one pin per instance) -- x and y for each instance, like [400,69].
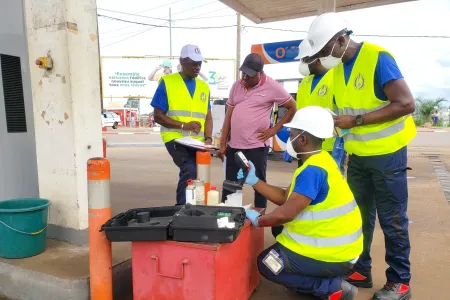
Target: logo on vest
[359,82]
[322,91]
[203,97]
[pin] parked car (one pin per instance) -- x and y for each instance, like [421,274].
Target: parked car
[110,119]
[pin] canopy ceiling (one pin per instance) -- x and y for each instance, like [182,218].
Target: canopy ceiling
[263,11]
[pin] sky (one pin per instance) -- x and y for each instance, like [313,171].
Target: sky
[424,62]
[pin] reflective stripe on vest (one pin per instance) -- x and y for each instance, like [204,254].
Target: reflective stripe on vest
[328,213]
[185,113]
[391,130]
[184,133]
[325,242]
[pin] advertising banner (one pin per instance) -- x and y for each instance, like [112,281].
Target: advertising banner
[132,77]
[279,52]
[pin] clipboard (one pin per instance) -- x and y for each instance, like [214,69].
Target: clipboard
[196,144]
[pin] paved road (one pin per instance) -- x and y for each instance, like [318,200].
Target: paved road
[432,139]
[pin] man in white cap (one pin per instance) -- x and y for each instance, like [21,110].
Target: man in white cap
[375,104]
[182,108]
[316,89]
[322,236]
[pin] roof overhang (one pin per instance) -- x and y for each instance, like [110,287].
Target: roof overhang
[264,11]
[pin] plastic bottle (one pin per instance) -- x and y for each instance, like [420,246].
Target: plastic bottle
[213,196]
[190,193]
[338,150]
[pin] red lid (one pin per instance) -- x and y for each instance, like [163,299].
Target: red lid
[190,182]
[213,188]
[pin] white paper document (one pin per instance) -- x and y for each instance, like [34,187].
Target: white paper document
[193,143]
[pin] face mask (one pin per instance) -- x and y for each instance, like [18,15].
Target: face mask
[329,62]
[303,68]
[290,149]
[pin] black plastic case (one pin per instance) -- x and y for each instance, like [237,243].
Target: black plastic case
[141,224]
[198,223]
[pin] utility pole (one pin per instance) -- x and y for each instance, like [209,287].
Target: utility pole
[238,46]
[170,30]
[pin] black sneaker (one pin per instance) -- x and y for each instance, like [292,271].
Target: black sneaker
[393,291]
[362,279]
[347,292]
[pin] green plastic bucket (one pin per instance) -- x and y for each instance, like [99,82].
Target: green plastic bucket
[23,227]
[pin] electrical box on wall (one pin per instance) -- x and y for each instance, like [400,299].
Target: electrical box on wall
[45,62]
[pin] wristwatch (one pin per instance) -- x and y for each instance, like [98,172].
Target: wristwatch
[208,138]
[359,120]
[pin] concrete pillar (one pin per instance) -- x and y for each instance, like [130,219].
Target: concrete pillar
[326,6]
[66,102]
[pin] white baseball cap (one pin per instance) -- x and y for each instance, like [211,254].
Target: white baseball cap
[193,52]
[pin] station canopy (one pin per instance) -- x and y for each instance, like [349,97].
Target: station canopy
[264,11]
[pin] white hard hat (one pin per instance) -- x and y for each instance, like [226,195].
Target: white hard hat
[313,119]
[304,49]
[323,29]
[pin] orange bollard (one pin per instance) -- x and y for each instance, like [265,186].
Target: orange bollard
[204,170]
[104,147]
[100,256]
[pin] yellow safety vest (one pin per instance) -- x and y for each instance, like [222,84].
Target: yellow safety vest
[358,98]
[322,96]
[329,231]
[183,107]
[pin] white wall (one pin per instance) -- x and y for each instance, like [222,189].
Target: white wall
[67,105]
[18,173]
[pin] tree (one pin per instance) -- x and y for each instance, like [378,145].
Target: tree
[426,108]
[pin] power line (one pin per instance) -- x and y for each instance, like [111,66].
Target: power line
[211,17]
[274,29]
[202,14]
[130,14]
[124,39]
[166,26]
[145,10]
[372,35]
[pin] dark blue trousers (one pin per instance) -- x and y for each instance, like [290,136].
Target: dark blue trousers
[305,275]
[258,156]
[379,184]
[184,158]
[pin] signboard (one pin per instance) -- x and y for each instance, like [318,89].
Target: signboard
[137,77]
[279,52]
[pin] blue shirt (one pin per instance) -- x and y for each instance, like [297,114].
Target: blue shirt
[312,182]
[161,101]
[316,80]
[385,71]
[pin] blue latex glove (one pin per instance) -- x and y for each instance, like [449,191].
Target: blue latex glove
[287,157]
[251,179]
[252,215]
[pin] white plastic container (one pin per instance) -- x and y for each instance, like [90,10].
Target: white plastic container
[213,197]
[190,193]
[235,199]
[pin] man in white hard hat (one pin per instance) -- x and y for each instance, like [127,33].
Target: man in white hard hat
[375,104]
[316,89]
[322,236]
[182,108]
